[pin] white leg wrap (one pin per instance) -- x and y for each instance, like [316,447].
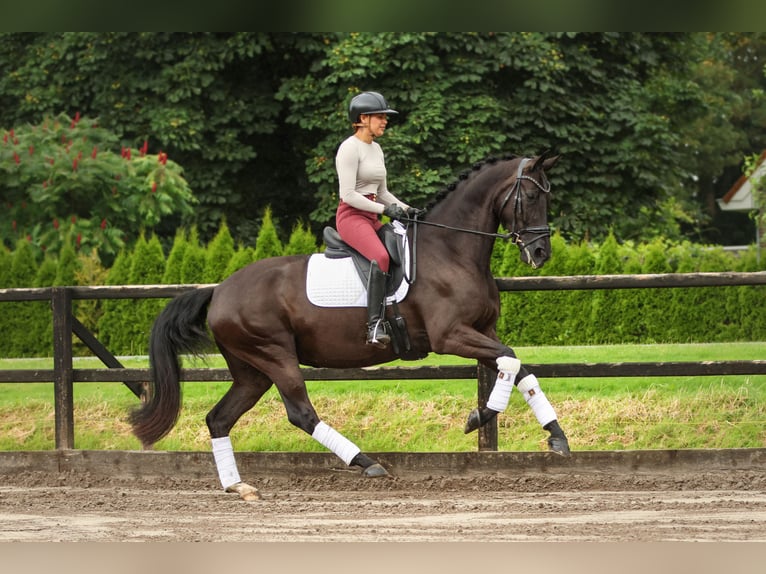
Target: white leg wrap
[536,399]
[507,369]
[224,461]
[328,437]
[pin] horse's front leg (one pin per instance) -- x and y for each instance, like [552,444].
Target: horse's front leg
[510,374]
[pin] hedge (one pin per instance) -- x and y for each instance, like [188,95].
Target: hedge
[639,316]
[584,317]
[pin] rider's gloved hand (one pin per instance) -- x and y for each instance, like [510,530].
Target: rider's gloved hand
[394,211]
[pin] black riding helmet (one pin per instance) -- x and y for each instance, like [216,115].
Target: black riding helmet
[368,103]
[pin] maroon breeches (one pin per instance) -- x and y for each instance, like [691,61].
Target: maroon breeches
[359,229]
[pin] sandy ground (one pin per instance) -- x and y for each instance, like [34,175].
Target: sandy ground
[342,506]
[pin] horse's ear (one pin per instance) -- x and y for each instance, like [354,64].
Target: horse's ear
[546,161]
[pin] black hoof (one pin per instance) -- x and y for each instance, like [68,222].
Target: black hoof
[559,445]
[374,471]
[473,422]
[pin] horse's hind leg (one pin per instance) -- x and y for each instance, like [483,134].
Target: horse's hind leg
[248,387]
[301,413]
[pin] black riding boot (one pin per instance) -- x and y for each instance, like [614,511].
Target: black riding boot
[376,305]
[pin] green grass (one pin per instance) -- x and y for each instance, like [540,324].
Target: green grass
[422,416]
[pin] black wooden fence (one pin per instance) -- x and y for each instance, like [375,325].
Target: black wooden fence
[63,375]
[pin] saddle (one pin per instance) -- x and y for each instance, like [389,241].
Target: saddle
[393,240]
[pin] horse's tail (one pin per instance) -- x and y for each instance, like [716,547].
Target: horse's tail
[180,328]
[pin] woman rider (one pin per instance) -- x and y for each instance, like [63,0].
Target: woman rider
[364,196]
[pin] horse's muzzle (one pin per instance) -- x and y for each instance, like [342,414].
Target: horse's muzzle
[535,246]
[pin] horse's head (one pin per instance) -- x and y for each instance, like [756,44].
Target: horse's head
[524,209]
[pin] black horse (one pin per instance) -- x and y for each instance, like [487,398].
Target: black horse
[265,326]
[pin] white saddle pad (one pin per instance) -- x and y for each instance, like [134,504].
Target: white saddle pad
[336,282]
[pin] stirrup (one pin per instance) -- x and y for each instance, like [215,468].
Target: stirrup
[376,334]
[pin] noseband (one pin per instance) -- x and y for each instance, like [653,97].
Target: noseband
[515,235]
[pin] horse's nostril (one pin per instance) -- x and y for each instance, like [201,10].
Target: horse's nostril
[540,253]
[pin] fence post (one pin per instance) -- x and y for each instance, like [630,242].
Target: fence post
[488,432]
[63,375]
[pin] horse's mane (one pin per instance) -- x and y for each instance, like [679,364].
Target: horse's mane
[448,189]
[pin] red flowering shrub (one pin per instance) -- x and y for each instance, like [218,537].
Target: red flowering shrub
[64,170]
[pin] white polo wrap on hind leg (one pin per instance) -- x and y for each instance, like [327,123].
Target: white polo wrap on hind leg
[536,399]
[507,369]
[223,453]
[328,437]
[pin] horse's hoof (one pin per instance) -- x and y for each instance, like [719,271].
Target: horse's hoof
[374,471]
[246,492]
[473,422]
[559,445]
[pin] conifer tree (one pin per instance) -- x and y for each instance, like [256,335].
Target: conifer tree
[243,257]
[7,310]
[267,243]
[45,277]
[23,331]
[114,322]
[172,275]
[67,264]
[301,242]
[89,271]
[193,264]
[147,268]
[219,252]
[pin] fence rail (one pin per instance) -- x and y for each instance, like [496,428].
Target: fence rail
[63,375]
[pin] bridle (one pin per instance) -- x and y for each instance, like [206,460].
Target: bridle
[539,232]
[515,235]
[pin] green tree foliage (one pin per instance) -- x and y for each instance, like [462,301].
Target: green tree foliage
[89,271]
[301,242]
[267,244]
[605,303]
[69,176]
[218,254]
[114,329]
[193,263]
[242,257]
[173,266]
[147,268]
[652,126]
[655,304]
[204,98]
[67,267]
[27,321]
[616,105]
[748,307]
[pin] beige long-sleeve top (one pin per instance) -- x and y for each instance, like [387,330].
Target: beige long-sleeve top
[361,171]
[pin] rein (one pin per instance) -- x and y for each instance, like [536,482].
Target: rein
[540,232]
